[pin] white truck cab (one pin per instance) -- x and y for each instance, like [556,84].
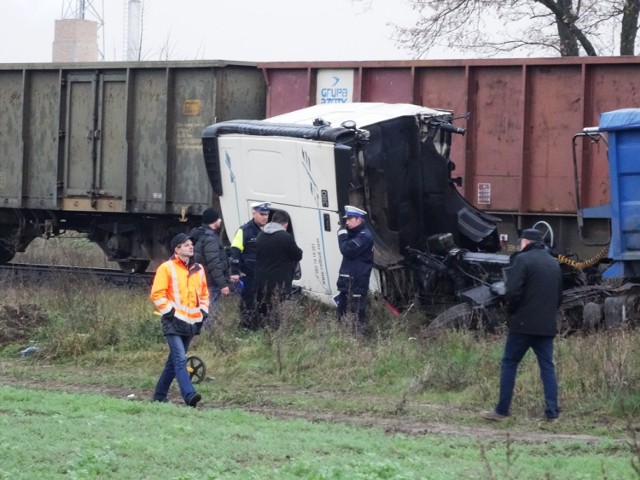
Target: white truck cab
[392,160]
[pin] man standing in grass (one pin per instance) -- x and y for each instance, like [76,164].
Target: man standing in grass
[534,294]
[180,294]
[356,247]
[277,255]
[243,261]
[209,252]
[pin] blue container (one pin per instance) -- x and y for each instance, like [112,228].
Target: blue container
[623,128]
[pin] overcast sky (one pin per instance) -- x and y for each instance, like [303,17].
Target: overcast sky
[243,30]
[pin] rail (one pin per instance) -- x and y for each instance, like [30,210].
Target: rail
[22,272]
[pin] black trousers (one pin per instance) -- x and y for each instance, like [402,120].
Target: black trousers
[355,304]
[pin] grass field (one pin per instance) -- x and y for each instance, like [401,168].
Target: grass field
[47,434]
[309,401]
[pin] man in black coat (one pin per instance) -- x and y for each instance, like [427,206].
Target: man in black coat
[534,294]
[277,255]
[210,253]
[356,247]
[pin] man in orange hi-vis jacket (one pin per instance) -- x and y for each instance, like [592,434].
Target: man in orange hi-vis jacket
[180,294]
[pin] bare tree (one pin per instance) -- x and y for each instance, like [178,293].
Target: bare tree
[629,26]
[564,27]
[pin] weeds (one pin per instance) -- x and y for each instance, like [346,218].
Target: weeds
[94,324]
[510,471]
[634,446]
[69,319]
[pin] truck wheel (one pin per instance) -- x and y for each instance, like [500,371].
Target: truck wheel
[455,317]
[591,316]
[619,311]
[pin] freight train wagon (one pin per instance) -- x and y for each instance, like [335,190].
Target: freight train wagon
[113,150]
[516,160]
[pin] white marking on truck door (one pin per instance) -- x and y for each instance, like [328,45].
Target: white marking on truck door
[232,178]
[313,186]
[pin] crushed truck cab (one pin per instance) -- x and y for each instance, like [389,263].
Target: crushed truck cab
[392,160]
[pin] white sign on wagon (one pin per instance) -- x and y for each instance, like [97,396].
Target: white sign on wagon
[334,86]
[484,194]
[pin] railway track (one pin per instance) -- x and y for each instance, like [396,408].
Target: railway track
[29,273]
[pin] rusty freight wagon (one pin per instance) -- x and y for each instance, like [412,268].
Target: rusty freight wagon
[516,160]
[113,150]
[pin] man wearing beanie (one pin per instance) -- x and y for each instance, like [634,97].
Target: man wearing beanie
[534,294]
[210,253]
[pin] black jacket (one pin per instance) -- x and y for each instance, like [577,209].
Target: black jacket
[210,253]
[356,247]
[277,255]
[534,291]
[243,255]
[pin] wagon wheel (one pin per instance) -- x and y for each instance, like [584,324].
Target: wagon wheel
[547,232]
[196,369]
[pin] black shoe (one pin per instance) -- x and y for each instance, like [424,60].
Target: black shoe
[193,401]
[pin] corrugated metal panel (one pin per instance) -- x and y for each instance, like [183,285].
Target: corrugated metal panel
[116,137]
[41,136]
[11,151]
[494,147]
[288,90]
[392,84]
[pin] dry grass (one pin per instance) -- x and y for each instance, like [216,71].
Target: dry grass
[598,373]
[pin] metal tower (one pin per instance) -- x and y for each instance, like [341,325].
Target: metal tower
[132,30]
[87,10]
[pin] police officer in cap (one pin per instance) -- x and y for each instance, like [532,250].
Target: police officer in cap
[356,247]
[243,261]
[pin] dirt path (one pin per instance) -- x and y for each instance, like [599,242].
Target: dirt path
[396,424]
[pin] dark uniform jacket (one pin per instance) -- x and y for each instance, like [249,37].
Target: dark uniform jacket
[356,247]
[244,259]
[277,256]
[534,291]
[210,253]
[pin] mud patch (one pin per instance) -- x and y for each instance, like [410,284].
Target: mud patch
[18,324]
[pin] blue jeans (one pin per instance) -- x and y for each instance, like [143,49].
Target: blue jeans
[176,367]
[516,346]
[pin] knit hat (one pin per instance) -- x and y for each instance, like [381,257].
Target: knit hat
[209,216]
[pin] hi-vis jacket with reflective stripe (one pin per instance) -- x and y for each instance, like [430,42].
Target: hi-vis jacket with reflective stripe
[181,289]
